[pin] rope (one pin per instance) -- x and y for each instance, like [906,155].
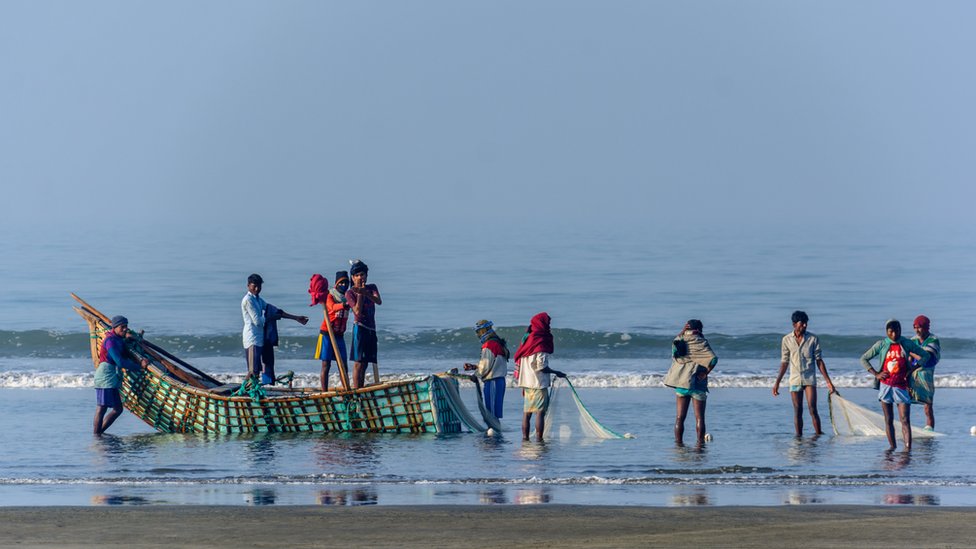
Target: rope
[285,379]
[252,388]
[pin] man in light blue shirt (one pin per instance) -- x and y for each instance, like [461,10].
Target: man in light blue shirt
[261,331]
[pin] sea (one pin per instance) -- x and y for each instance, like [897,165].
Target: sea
[616,300]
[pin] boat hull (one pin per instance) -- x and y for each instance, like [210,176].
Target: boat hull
[164,396]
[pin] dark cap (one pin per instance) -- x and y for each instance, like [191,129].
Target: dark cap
[119,320]
[358,267]
[340,276]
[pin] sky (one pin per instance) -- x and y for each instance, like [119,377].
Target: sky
[643,115]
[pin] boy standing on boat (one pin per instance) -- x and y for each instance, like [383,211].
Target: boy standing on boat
[800,351]
[893,373]
[922,386]
[362,298]
[532,372]
[108,376]
[260,335]
[493,366]
[335,312]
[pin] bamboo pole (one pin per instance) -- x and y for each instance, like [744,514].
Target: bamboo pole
[343,375]
[181,374]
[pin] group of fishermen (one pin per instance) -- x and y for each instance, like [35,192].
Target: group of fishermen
[904,375]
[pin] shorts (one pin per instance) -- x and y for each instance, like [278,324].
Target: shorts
[110,398]
[798,388]
[363,344]
[324,351]
[494,390]
[894,395]
[922,385]
[536,400]
[697,395]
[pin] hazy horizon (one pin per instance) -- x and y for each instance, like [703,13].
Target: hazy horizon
[813,119]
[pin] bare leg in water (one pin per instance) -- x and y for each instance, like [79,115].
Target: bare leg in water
[812,405]
[103,421]
[797,397]
[679,422]
[886,408]
[699,406]
[904,413]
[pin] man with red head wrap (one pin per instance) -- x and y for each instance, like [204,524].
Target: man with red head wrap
[532,371]
[922,383]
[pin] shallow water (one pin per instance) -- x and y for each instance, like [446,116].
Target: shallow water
[616,300]
[754,459]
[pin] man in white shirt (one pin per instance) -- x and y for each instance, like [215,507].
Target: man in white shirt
[800,352]
[260,330]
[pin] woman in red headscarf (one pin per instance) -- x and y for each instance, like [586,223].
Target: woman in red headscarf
[533,373]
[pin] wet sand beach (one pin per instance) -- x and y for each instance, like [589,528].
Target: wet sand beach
[488,526]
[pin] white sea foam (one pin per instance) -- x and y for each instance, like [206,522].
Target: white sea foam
[603,380]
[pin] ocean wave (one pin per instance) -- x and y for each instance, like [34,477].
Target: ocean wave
[599,380]
[459,344]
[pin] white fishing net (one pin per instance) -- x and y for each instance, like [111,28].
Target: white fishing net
[569,419]
[849,419]
[453,396]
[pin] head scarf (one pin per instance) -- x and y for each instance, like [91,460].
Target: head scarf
[489,338]
[484,329]
[538,338]
[337,296]
[318,288]
[119,321]
[922,321]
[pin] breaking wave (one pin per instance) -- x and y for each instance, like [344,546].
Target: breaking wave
[458,343]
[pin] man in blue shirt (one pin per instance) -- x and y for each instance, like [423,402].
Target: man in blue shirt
[108,375]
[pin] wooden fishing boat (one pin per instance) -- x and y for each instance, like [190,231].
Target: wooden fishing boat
[172,396]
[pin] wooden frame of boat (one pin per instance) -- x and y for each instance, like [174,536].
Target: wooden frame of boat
[174,397]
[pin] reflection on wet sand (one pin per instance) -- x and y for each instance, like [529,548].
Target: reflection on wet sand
[118,500]
[261,496]
[691,498]
[342,496]
[796,497]
[532,496]
[910,499]
[494,496]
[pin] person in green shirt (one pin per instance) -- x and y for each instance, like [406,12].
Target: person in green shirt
[922,383]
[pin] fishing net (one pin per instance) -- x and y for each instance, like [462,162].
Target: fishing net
[457,404]
[849,419]
[568,417]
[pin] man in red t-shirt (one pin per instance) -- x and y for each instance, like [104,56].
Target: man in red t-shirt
[893,377]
